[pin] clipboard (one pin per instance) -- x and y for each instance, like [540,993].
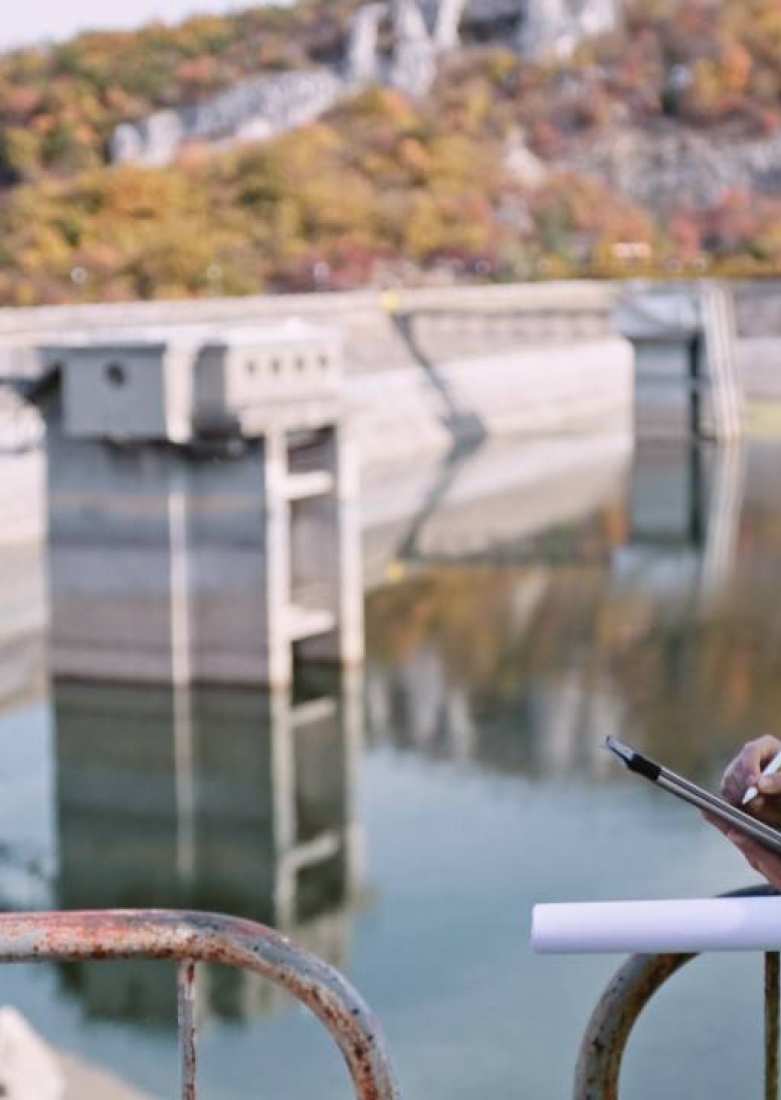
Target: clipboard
[689,792]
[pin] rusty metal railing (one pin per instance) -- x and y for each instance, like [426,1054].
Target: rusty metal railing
[602,1051]
[192,938]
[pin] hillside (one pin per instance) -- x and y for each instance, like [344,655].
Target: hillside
[652,149]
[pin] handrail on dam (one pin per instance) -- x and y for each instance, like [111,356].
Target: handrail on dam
[745,920]
[192,938]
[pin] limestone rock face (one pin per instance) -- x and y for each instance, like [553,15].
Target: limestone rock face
[362,62]
[546,29]
[422,29]
[283,101]
[555,27]
[521,164]
[153,141]
[680,168]
[447,23]
[414,66]
[478,11]
[251,110]
[126,145]
[599,16]
[539,23]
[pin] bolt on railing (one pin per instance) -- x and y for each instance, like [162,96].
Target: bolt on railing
[192,938]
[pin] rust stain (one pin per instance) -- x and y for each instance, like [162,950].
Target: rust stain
[192,938]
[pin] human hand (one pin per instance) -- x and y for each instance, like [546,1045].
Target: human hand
[746,771]
[767,863]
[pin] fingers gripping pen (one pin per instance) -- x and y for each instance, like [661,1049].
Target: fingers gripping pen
[773,767]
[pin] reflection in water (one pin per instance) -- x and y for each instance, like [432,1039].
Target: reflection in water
[254,816]
[685,507]
[169,570]
[646,627]
[586,602]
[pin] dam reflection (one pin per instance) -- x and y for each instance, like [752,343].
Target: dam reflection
[247,806]
[576,598]
[523,663]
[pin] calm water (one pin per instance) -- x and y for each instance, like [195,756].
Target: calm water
[463,778]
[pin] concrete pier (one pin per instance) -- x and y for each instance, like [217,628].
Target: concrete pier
[214,562]
[689,383]
[164,567]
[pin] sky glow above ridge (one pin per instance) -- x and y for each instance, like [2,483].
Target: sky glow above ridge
[46,20]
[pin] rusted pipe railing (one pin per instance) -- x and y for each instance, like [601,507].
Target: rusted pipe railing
[771,1024]
[602,1051]
[192,938]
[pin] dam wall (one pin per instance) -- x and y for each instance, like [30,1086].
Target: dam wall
[426,370]
[458,399]
[490,502]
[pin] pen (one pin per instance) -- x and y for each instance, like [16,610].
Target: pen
[773,767]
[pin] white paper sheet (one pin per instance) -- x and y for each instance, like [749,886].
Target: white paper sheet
[658,927]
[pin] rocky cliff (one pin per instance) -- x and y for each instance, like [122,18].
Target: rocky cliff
[671,167]
[420,32]
[343,143]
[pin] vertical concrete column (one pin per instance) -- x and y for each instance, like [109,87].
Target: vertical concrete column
[283,793]
[349,570]
[274,458]
[327,558]
[724,420]
[353,732]
[179,573]
[182,668]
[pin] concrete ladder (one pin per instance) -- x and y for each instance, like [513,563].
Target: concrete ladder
[312,546]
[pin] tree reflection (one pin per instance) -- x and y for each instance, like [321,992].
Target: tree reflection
[672,638]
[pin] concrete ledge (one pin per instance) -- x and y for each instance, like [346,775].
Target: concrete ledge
[370,320]
[567,296]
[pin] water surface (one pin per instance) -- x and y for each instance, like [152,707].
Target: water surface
[460,779]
